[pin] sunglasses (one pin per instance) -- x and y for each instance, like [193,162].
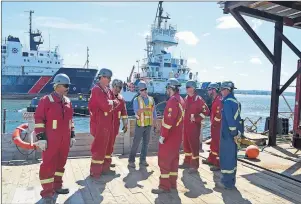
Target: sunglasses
[65,86]
[187,87]
[108,77]
[142,90]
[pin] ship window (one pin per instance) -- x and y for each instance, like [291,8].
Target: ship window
[3,51]
[25,54]
[31,54]
[41,54]
[55,55]
[24,60]
[50,62]
[41,61]
[55,62]
[28,60]
[58,62]
[47,62]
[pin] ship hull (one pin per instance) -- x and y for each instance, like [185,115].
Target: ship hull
[81,79]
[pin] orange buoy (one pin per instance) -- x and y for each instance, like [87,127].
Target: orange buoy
[252,152]
[16,137]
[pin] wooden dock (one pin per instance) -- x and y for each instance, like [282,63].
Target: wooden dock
[20,184]
[20,180]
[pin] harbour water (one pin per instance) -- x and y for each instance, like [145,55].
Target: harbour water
[253,107]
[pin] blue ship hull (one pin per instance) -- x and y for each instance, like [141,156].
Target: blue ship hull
[81,79]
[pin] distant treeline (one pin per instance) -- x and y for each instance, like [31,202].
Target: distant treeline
[258,92]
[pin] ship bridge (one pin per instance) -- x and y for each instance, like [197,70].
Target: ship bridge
[282,13]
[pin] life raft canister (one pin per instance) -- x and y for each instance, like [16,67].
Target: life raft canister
[16,137]
[252,152]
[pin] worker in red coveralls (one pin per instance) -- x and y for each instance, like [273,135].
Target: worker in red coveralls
[54,130]
[120,112]
[215,119]
[101,107]
[195,112]
[171,138]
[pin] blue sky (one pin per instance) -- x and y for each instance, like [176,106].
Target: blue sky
[214,44]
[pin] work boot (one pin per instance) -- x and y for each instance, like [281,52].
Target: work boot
[112,165]
[159,191]
[214,168]
[62,190]
[192,171]
[132,165]
[48,200]
[143,163]
[109,172]
[205,161]
[222,186]
[184,166]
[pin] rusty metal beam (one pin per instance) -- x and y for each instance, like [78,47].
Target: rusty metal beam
[275,84]
[253,35]
[291,79]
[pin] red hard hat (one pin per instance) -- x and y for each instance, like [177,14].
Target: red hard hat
[252,152]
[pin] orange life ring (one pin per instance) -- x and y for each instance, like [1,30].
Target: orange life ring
[16,137]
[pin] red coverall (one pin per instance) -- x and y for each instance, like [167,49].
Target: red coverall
[215,118]
[119,112]
[172,131]
[53,117]
[194,105]
[101,127]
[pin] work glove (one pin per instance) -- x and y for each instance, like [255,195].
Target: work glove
[237,139]
[161,140]
[72,142]
[41,144]
[125,129]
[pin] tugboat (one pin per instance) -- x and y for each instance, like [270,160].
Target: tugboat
[30,72]
[160,65]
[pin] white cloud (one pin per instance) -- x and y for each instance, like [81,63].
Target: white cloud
[228,22]
[192,61]
[203,70]
[262,70]
[242,74]
[255,60]
[62,23]
[144,34]
[238,62]
[189,17]
[218,67]
[188,37]
[206,34]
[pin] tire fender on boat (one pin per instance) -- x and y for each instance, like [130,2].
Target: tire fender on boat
[16,137]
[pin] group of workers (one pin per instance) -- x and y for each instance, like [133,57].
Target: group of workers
[182,121]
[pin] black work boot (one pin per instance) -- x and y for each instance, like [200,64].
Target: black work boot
[62,190]
[48,200]
[184,166]
[109,172]
[143,163]
[159,191]
[112,165]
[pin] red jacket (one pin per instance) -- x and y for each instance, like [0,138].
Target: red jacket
[101,110]
[53,116]
[197,106]
[120,112]
[173,116]
[215,115]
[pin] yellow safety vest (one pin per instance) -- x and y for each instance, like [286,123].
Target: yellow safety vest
[146,117]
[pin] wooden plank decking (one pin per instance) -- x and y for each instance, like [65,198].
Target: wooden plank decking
[20,184]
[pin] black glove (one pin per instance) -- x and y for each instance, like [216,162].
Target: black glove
[72,134]
[41,136]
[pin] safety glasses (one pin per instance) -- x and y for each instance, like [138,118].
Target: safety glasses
[65,86]
[141,90]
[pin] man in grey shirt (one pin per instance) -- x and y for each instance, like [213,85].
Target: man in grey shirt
[146,116]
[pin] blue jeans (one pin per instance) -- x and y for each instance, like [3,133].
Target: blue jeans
[144,134]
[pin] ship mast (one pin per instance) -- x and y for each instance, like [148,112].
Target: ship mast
[87,61]
[160,16]
[34,45]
